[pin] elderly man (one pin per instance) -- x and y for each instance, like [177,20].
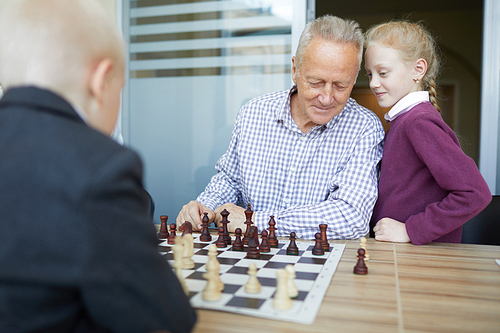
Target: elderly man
[308,155]
[78,252]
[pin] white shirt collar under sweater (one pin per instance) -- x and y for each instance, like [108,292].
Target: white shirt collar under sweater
[406,103]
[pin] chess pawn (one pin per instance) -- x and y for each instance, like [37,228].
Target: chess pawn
[292,248]
[264,245]
[362,244]
[221,241]
[173,233]
[238,243]
[214,266]
[360,267]
[253,285]
[293,292]
[163,234]
[281,300]
[205,234]
[211,291]
[318,249]
[188,251]
[324,239]
[178,250]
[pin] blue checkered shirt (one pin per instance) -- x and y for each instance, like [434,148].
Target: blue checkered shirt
[328,175]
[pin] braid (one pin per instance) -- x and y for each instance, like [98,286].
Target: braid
[429,84]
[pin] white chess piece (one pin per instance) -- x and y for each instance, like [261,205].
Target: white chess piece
[211,291]
[362,244]
[188,251]
[293,292]
[281,299]
[253,284]
[214,265]
[178,251]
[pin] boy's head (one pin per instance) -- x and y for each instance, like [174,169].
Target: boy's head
[69,47]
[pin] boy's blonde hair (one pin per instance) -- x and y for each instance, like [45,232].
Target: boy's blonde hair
[412,41]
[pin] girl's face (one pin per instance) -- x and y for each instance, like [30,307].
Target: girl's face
[390,78]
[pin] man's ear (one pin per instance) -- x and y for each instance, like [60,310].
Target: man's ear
[294,70]
[99,78]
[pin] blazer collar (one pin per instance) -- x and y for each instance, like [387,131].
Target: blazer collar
[40,99]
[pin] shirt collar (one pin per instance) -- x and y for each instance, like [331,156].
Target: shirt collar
[406,103]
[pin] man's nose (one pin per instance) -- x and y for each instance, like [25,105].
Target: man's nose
[326,95]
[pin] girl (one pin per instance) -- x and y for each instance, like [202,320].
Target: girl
[428,187]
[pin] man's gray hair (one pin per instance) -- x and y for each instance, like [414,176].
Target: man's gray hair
[332,29]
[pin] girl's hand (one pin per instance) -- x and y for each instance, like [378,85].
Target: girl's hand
[390,230]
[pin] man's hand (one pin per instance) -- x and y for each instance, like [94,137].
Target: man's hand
[236,218]
[390,230]
[193,212]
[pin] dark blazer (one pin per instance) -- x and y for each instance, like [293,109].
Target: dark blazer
[78,251]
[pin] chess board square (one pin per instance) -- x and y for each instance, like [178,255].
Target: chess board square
[265,292]
[197,275]
[238,270]
[200,259]
[231,288]
[246,263]
[304,285]
[164,248]
[269,309]
[266,272]
[268,282]
[232,254]
[285,259]
[317,261]
[312,268]
[196,285]
[276,264]
[197,301]
[228,261]
[246,302]
[306,276]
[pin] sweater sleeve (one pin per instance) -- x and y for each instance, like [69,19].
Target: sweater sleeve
[455,172]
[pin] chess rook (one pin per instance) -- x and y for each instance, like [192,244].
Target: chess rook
[163,234]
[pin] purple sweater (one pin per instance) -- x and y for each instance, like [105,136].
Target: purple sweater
[426,180]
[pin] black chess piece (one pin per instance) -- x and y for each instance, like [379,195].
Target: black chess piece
[173,233]
[248,223]
[224,223]
[292,248]
[318,249]
[360,267]
[264,244]
[253,244]
[205,234]
[221,241]
[324,239]
[272,239]
[163,234]
[238,243]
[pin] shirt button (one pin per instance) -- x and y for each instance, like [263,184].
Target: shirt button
[293,169]
[302,138]
[298,235]
[287,200]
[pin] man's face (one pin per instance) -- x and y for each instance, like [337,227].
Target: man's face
[324,82]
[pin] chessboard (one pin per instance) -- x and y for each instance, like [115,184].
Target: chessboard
[313,276]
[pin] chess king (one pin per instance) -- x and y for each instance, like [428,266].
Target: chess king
[307,155]
[78,250]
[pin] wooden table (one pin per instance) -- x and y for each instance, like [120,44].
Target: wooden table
[432,288]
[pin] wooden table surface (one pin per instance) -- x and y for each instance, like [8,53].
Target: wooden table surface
[432,288]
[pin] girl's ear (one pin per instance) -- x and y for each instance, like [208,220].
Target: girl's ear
[420,69]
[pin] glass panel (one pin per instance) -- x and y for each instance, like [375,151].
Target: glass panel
[192,65]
